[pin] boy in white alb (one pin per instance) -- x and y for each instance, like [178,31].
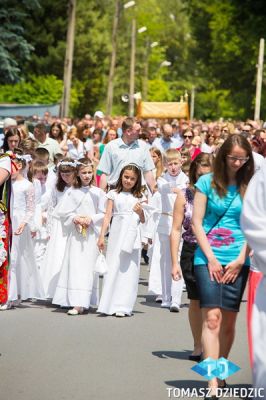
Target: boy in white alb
[168,184]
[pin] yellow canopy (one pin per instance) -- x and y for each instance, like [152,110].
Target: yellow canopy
[154,109]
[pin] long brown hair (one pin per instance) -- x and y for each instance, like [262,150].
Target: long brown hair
[202,159]
[137,188]
[83,162]
[220,180]
[61,184]
[61,133]
[159,167]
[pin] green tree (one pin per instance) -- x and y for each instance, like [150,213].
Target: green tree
[227,35]
[43,89]
[14,48]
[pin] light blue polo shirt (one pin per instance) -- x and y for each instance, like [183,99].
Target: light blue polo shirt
[164,145]
[117,154]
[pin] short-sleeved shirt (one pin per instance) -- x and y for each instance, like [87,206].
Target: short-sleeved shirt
[117,154]
[163,145]
[5,163]
[53,147]
[226,238]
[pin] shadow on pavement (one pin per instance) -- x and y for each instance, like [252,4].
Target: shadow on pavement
[149,300]
[180,355]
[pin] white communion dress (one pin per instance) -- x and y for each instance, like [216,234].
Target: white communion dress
[58,232]
[78,285]
[120,286]
[155,280]
[24,276]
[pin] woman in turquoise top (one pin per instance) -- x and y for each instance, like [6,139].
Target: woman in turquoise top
[221,262]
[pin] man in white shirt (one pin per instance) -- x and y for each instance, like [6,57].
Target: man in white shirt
[125,150]
[152,136]
[167,141]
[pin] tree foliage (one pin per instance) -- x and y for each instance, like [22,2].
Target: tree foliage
[45,89]
[228,33]
[212,45]
[14,48]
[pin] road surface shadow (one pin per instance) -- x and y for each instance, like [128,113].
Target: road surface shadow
[179,355]
[149,300]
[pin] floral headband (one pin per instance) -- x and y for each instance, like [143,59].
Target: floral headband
[67,164]
[24,157]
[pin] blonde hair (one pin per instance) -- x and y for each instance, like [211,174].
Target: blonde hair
[72,131]
[171,155]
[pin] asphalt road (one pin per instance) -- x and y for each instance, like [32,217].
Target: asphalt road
[47,355]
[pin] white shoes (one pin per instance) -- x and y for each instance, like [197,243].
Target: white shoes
[174,307]
[165,304]
[120,314]
[5,307]
[75,311]
[158,299]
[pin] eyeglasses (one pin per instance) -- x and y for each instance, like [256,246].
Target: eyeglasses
[188,136]
[241,160]
[246,130]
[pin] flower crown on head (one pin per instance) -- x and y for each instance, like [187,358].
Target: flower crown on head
[24,157]
[67,164]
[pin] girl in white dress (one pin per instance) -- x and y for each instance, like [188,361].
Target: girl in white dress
[124,243]
[82,210]
[24,277]
[53,258]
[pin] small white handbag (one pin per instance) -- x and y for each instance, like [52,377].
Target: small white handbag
[101,266]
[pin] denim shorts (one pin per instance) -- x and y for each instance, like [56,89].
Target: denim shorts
[212,294]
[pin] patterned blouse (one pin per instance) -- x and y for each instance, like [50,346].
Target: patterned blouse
[188,235]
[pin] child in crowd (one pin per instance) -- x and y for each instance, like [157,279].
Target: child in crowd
[39,173]
[168,185]
[185,156]
[125,205]
[155,281]
[158,162]
[81,211]
[57,158]
[52,262]
[157,172]
[42,154]
[76,148]
[24,277]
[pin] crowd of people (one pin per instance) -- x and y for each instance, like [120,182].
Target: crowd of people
[170,192]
